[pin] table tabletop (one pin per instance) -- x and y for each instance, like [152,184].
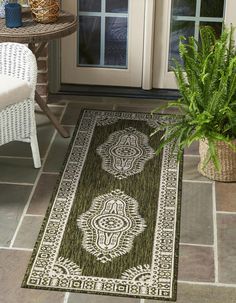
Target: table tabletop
[34,32]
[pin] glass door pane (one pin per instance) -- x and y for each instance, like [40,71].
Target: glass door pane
[116,41]
[184,8]
[114,6]
[188,15]
[89,40]
[211,8]
[103,33]
[90,6]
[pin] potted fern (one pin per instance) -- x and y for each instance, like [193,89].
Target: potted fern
[207,83]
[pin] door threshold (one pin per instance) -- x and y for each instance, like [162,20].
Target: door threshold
[123,92]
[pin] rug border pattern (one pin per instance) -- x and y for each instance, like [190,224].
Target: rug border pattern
[166,283]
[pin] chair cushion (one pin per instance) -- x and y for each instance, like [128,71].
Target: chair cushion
[13,90]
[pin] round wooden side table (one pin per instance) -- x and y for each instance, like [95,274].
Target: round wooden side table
[37,35]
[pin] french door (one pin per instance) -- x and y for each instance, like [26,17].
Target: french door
[108,47]
[132,42]
[175,18]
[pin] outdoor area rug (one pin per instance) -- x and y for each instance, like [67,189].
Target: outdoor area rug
[112,226]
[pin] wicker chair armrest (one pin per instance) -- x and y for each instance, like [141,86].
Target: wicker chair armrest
[17,60]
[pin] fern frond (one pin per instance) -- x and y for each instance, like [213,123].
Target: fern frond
[207,83]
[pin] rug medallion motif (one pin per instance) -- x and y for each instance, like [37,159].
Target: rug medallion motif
[112,226]
[125,153]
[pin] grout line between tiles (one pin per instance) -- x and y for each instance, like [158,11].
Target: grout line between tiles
[50,173]
[193,244]
[69,125]
[16,157]
[16,248]
[226,212]
[16,183]
[67,294]
[35,184]
[215,233]
[198,181]
[32,215]
[63,111]
[218,284]
[29,199]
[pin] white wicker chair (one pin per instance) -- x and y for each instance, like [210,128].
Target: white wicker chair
[17,118]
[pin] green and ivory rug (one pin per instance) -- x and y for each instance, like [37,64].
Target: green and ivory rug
[113,223]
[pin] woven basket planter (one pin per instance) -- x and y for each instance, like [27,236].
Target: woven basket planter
[227,159]
[45,11]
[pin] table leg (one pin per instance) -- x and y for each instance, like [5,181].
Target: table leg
[43,105]
[62,131]
[37,50]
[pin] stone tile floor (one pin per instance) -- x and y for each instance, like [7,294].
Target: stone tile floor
[207,270]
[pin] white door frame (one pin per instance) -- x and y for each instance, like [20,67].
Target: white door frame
[230,13]
[162,78]
[148,49]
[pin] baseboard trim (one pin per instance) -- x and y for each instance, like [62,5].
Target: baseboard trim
[112,91]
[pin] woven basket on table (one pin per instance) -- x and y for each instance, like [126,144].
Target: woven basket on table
[45,11]
[227,159]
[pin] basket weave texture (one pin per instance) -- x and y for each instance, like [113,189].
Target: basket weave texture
[227,158]
[17,121]
[45,11]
